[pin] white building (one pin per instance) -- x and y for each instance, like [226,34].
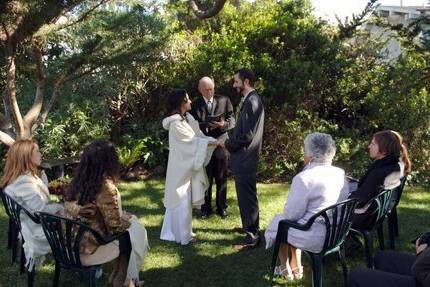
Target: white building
[395,15]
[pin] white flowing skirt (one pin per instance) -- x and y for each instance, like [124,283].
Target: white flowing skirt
[177,222]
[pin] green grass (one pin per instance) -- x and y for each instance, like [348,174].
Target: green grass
[212,261]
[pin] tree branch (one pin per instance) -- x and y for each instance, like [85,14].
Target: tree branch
[204,14]
[6,33]
[347,29]
[5,122]
[11,90]
[51,102]
[34,112]
[84,15]
[6,139]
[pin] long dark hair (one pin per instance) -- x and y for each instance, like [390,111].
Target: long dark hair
[99,161]
[391,143]
[175,100]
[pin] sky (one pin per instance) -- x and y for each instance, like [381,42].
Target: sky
[327,9]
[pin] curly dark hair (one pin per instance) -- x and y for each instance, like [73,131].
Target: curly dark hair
[98,162]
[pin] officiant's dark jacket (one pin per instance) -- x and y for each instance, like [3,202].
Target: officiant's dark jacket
[221,104]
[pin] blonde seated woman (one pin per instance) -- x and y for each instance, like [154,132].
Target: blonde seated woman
[93,199]
[316,187]
[24,183]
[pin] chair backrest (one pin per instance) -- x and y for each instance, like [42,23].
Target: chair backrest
[397,193]
[13,210]
[379,206]
[337,219]
[64,236]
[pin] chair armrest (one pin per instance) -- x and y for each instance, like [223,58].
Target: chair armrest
[292,224]
[106,239]
[113,237]
[351,179]
[33,216]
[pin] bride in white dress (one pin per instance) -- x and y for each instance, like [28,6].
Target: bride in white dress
[186,181]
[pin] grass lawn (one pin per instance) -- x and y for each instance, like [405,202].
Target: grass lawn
[212,261]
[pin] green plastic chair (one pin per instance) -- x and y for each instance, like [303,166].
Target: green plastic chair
[337,219]
[378,208]
[65,235]
[392,220]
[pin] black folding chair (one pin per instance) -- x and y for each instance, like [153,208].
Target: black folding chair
[13,210]
[337,220]
[12,232]
[65,235]
[378,207]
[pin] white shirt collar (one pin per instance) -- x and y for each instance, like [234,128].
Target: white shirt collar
[211,99]
[248,93]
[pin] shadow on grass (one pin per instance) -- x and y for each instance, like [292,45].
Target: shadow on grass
[204,270]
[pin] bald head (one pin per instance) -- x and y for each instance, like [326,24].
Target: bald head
[207,87]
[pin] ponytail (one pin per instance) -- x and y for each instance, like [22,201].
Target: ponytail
[405,158]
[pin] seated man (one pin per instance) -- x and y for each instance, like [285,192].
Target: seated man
[396,269]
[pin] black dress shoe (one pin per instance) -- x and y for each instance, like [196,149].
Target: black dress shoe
[239,230]
[222,213]
[206,213]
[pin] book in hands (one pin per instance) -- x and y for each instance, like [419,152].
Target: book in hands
[215,118]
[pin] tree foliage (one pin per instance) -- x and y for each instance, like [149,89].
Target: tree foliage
[107,67]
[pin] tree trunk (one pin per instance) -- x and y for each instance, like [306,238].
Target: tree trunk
[11,90]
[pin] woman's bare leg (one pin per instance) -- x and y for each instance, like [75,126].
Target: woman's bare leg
[296,257]
[296,262]
[283,258]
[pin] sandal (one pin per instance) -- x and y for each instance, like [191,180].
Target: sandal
[297,272]
[279,271]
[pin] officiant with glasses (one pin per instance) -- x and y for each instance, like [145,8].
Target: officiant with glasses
[215,116]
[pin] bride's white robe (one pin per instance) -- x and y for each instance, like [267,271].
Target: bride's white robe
[186,179]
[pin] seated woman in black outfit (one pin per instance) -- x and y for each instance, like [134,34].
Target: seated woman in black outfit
[396,269]
[390,163]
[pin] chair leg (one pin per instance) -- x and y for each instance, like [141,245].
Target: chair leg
[30,277]
[317,268]
[91,278]
[10,232]
[395,222]
[14,250]
[274,259]
[380,231]
[343,263]
[57,275]
[15,243]
[391,230]
[368,244]
[22,260]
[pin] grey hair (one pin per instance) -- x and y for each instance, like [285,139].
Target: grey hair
[321,147]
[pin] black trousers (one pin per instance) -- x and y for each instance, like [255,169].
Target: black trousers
[246,188]
[217,169]
[392,269]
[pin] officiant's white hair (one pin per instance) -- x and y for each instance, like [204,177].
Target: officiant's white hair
[320,146]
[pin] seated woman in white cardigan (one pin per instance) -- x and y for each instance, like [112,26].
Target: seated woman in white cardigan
[318,186]
[186,180]
[23,182]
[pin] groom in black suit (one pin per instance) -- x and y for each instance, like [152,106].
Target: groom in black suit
[211,104]
[244,147]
